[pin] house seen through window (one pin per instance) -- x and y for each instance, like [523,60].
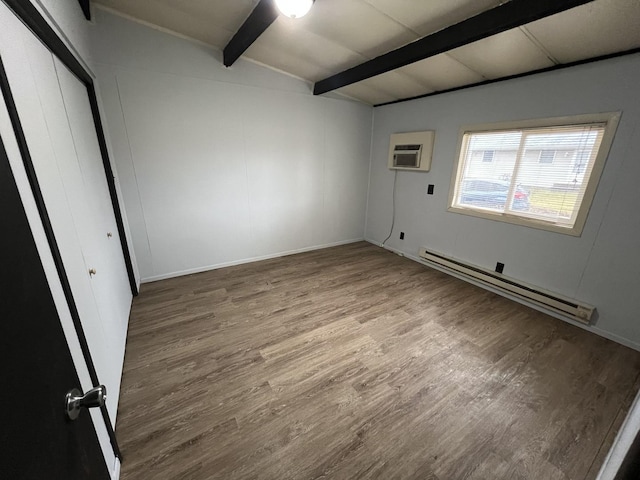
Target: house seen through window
[547,156]
[538,175]
[487,156]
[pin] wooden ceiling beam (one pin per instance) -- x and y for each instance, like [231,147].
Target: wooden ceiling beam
[86,8]
[499,19]
[263,15]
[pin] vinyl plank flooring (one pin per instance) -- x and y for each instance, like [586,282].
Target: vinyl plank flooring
[354,363]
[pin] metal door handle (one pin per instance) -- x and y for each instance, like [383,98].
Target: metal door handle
[76,401]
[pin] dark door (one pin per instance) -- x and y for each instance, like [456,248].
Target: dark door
[36,439]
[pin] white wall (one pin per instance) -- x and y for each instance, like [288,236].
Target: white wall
[602,266]
[67,18]
[221,166]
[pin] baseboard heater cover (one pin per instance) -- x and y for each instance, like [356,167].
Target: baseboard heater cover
[564,306]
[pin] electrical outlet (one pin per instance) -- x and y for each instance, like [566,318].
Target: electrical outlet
[401,235]
[430,189]
[499,267]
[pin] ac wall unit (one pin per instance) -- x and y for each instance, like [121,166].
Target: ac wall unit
[534,296]
[411,151]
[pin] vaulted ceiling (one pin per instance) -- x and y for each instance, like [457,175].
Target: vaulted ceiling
[340,34]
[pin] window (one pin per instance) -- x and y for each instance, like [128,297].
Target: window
[487,156]
[542,173]
[546,156]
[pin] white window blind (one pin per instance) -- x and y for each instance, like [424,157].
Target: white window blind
[537,174]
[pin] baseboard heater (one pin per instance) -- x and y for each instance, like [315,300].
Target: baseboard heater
[550,301]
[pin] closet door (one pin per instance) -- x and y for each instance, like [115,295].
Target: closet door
[52,106]
[100,239]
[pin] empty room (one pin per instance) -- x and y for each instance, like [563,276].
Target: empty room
[320,239]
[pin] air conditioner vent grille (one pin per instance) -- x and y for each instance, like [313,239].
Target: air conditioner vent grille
[408,160]
[408,147]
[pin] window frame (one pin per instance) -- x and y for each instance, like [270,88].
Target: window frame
[611,119]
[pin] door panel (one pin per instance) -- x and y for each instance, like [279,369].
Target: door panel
[56,118]
[110,284]
[36,439]
[32,79]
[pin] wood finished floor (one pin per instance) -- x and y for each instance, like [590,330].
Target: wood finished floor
[352,362]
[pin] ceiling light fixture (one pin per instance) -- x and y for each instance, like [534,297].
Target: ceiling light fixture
[294,8]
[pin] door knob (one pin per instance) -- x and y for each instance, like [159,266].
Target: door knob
[76,401]
[109,234]
[92,272]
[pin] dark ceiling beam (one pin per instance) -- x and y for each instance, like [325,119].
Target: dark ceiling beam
[86,8]
[499,19]
[258,21]
[560,66]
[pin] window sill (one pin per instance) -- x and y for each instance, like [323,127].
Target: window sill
[574,231]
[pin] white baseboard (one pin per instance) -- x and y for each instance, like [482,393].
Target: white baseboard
[615,338]
[190,271]
[115,474]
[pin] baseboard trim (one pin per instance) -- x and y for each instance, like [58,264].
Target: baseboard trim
[115,474]
[190,271]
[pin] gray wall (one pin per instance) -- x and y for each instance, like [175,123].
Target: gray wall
[220,166]
[601,267]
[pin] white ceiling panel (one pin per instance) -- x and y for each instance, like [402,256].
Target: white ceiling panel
[507,53]
[288,47]
[425,17]
[287,62]
[366,93]
[210,21]
[399,84]
[594,29]
[357,26]
[442,72]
